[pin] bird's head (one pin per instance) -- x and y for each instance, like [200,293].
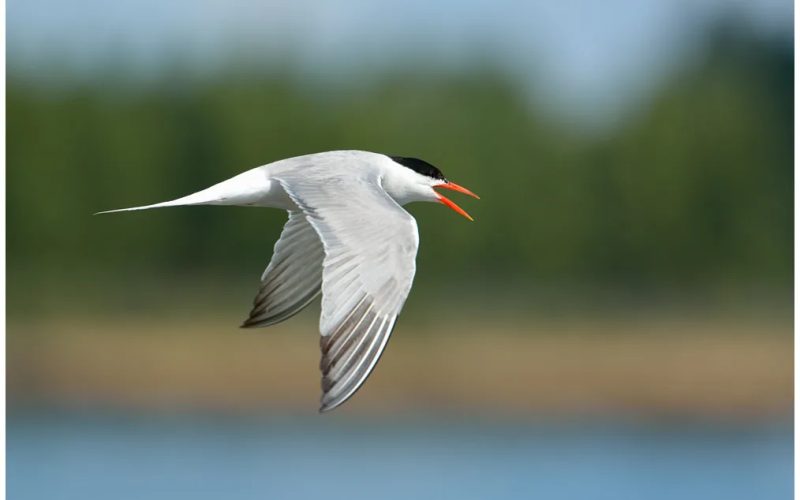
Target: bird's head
[417,180]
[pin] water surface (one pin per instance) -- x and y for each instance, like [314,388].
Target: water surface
[84,456]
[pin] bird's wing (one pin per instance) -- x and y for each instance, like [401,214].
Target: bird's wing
[293,276]
[370,247]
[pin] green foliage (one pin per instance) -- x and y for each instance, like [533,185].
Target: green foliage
[695,190]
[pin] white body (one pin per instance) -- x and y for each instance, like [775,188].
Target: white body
[259,186]
[347,237]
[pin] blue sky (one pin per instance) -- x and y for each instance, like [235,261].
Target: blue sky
[577,54]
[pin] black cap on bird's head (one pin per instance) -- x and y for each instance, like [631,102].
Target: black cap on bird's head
[422,167]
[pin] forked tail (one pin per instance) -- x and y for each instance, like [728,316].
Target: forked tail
[243,189]
[173,203]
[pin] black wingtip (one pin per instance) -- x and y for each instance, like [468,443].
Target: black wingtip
[326,408]
[249,324]
[330,404]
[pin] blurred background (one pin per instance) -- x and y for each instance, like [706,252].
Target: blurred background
[617,323]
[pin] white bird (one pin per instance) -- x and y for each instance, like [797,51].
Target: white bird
[348,237]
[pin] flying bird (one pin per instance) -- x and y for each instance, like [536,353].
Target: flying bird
[347,237]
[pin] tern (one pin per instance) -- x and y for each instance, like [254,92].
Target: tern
[347,237]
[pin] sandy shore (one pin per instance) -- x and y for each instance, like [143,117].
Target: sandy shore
[647,366]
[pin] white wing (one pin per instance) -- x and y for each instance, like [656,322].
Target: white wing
[293,276]
[370,247]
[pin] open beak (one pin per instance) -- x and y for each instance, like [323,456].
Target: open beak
[446,201]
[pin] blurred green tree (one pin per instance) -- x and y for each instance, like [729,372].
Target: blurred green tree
[693,190]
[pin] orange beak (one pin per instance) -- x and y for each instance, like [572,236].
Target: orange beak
[455,187]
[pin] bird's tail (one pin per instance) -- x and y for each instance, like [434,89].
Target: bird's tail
[192,199]
[239,190]
[172,203]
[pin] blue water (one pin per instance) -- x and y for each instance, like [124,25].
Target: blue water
[78,456]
